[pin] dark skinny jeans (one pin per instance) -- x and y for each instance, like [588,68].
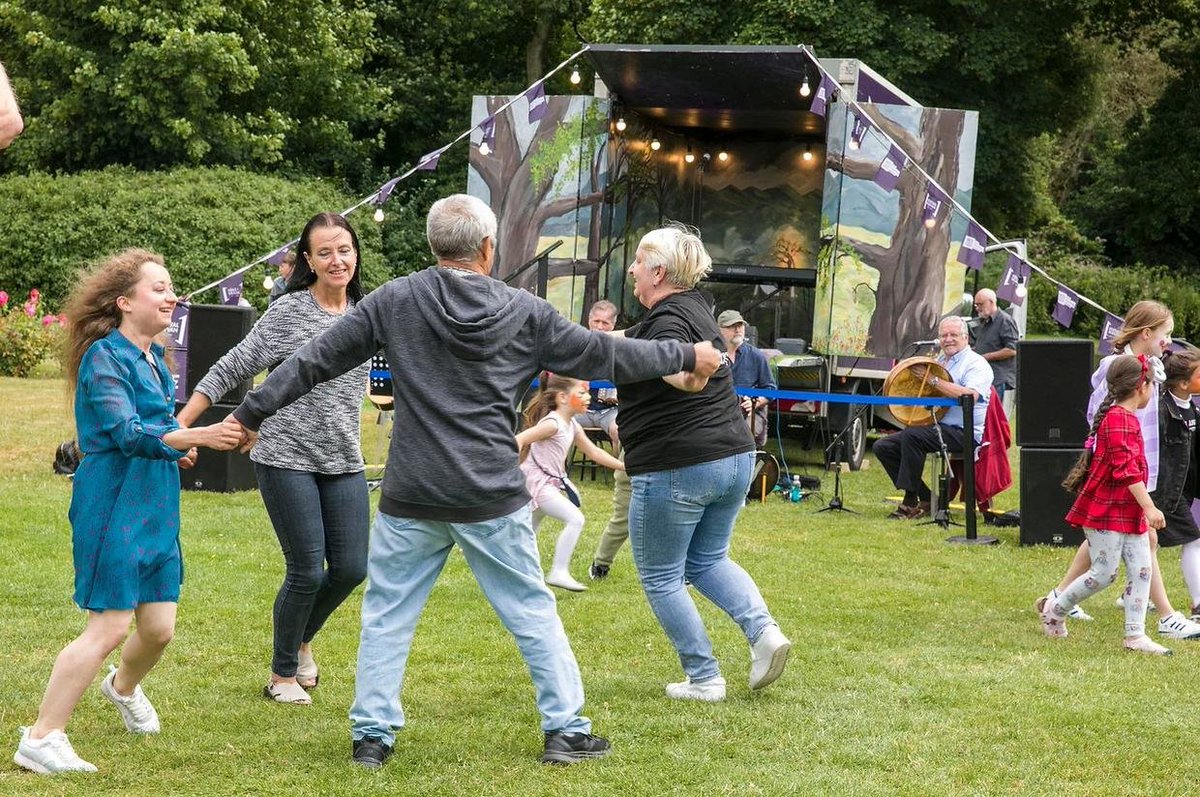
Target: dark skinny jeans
[318,518]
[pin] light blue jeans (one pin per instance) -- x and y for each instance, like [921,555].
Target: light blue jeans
[405,558]
[680,523]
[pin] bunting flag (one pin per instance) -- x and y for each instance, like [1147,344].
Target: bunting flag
[970,252]
[1108,330]
[385,191]
[536,94]
[1016,272]
[1064,306]
[231,289]
[859,131]
[934,199]
[429,161]
[488,128]
[276,257]
[824,95]
[177,343]
[890,169]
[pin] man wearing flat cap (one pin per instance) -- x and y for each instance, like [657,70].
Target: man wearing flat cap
[750,369]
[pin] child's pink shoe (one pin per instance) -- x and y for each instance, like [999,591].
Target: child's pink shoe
[1144,644]
[1051,626]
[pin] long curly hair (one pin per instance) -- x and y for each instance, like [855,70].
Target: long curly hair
[91,309]
[549,386]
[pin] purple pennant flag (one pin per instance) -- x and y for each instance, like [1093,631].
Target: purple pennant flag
[934,199]
[276,257]
[1064,306]
[859,131]
[177,341]
[1016,273]
[536,94]
[429,160]
[231,289]
[970,253]
[1108,330]
[488,128]
[385,190]
[890,169]
[823,96]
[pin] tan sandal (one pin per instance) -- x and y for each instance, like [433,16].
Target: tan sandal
[287,692]
[307,674]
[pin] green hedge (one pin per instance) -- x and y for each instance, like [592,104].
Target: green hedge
[206,222]
[1116,289]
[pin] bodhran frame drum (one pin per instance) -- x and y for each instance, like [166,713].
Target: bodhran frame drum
[911,378]
[763,477]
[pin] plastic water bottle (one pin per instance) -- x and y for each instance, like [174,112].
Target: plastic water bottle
[795,496]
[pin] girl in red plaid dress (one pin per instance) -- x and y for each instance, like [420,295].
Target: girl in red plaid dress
[1114,508]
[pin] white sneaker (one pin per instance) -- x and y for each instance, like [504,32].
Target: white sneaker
[49,755]
[768,656]
[564,581]
[1076,612]
[1178,627]
[710,691]
[1144,644]
[136,710]
[1120,604]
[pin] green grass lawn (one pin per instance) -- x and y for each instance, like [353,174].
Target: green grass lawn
[918,668]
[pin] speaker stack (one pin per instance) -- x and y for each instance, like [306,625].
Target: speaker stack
[1053,388]
[215,329]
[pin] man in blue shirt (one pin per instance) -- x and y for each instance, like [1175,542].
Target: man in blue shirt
[903,454]
[750,369]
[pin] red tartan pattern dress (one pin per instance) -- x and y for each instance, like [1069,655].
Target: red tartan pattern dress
[1118,461]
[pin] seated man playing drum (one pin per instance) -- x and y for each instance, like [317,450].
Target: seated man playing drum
[903,454]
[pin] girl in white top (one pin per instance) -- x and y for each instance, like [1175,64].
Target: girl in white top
[550,428]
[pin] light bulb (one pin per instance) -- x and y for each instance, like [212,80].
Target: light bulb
[689,157]
[484,149]
[575,78]
[722,156]
[379,214]
[621,124]
[808,156]
[930,222]
[853,142]
[1021,290]
[655,144]
[805,89]
[268,283]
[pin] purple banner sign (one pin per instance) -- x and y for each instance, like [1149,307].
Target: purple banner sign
[1064,306]
[823,96]
[1108,330]
[970,252]
[231,289]
[536,94]
[890,169]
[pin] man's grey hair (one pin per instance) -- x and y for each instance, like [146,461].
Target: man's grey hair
[456,226]
[603,306]
[957,321]
[986,294]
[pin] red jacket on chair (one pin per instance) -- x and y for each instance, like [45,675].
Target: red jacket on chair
[992,472]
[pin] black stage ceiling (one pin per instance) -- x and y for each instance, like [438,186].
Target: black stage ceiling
[723,88]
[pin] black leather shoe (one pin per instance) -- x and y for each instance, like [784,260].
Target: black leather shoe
[371,752]
[597,572]
[571,748]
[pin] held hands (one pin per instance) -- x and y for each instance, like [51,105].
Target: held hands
[189,459]
[224,436]
[1155,519]
[246,437]
[708,360]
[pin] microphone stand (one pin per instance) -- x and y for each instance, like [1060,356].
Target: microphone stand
[839,443]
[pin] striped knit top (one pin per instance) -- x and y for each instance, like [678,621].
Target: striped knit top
[320,431]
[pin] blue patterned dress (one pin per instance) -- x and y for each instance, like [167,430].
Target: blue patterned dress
[125,505]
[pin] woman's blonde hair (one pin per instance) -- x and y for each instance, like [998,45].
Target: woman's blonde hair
[678,249]
[91,309]
[1146,314]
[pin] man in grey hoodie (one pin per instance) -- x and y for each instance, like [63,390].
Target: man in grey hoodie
[463,348]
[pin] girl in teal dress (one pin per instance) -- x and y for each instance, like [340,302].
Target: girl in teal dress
[125,505]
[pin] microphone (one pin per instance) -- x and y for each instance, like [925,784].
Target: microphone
[933,342]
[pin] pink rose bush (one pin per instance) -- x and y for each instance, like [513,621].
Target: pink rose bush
[25,339]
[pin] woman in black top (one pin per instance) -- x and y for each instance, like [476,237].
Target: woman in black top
[1177,464]
[688,453]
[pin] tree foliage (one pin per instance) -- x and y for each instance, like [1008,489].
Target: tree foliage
[154,83]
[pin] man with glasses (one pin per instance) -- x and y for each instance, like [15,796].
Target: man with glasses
[995,339]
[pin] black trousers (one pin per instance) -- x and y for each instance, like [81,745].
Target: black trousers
[903,454]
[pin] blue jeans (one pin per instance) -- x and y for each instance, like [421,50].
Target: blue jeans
[405,559]
[680,523]
[318,518]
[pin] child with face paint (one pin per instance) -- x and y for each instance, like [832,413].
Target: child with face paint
[550,428]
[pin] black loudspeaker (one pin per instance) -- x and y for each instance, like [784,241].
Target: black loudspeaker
[214,330]
[218,471]
[1053,387]
[1044,501]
